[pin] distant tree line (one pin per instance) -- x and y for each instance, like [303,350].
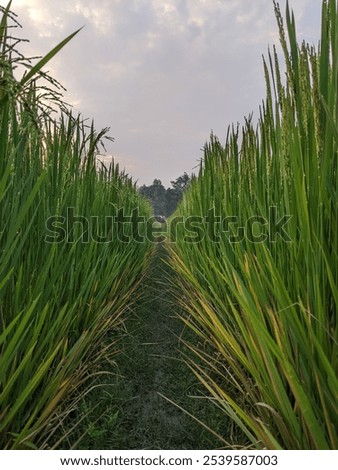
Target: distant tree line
[164,201]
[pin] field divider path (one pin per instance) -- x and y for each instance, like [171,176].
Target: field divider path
[151,367]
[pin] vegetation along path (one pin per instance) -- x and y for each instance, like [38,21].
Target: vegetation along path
[132,411]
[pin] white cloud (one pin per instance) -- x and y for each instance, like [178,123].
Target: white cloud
[161,73]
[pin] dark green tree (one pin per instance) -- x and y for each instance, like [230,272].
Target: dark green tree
[181,183]
[175,193]
[164,201]
[156,193]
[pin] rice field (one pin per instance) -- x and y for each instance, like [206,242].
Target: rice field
[65,277]
[255,256]
[259,271]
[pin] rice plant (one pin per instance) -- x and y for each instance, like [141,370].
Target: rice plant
[261,285]
[65,275]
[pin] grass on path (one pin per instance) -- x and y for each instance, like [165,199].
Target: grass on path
[131,411]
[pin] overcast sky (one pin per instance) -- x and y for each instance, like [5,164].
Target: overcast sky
[162,74]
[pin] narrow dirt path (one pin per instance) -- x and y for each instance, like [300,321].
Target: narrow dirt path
[150,365]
